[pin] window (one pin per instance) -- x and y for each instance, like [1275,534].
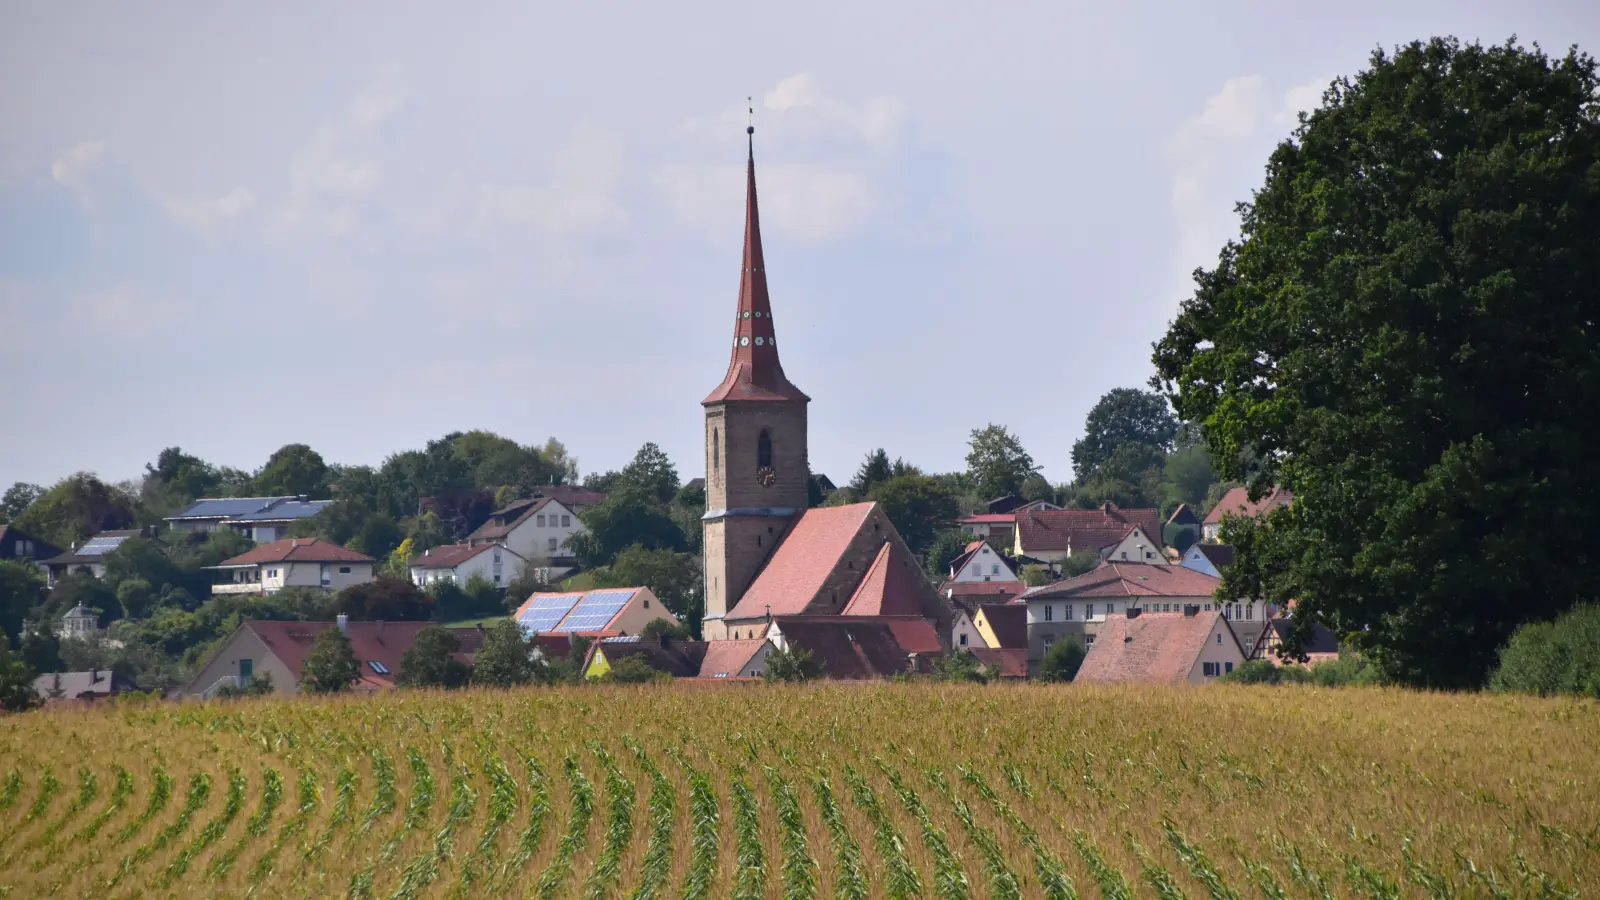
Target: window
[1219,637]
[995,569]
[344,570]
[552,545]
[1124,554]
[716,452]
[647,604]
[539,520]
[566,521]
[1227,667]
[1049,612]
[1088,610]
[1250,611]
[247,667]
[963,640]
[1209,669]
[378,667]
[1066,612]
[1149,555]
[764,450]
[272,573]
[1088,640]
[1048,640]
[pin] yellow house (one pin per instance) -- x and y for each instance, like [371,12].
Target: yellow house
[1002,625]
[680,659]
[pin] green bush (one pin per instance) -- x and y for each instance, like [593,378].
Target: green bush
[1349,670]
[1062,661]
[1557,657]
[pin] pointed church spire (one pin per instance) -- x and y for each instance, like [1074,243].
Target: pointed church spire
[754,372]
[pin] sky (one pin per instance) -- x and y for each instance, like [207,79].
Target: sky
[364,225]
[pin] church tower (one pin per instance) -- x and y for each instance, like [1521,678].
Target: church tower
[757,471]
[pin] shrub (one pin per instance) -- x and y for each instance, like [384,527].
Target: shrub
[431,662]
[1062,661]
[792,665]
[1556,657]
[1034,575]
[632,670]
[331,666]
[959,666]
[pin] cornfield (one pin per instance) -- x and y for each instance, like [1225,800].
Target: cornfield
[826,792]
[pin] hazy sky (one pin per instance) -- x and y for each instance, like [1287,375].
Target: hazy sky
[360,226]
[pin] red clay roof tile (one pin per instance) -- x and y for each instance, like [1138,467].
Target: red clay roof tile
[297,550]
[1236,502]
[1124,579]
[801,564]
[1158,648]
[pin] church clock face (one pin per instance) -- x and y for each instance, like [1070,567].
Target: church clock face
[766,477]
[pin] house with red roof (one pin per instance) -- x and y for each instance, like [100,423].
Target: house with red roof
[278,650]
[536,530]
[495,562]
[293,562]
[1237,502]
[1110,531]
[1077,607]
[1189,646]
[603,612]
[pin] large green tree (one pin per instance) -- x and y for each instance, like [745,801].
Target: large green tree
[651,473]
[21,590]
[628,517]
[996,462]
[1122,416]
[919,506]
[330,665]
[506,658]
[431,661]
[75,508]
[16,500]
[293,470]
[1405,337]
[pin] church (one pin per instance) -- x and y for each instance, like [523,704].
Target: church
[768,558]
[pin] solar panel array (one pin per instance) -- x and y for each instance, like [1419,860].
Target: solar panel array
[100,546]
[545,612]
[289,509]
[226,507]
[595,611]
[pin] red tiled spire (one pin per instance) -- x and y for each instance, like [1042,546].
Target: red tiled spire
[754,372]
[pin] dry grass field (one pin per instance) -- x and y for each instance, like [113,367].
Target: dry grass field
[800,792]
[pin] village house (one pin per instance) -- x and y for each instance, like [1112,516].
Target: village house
[1323,646]
[964,635]
[89,559]
[459,562]
[293,562]
[989,526]
[679,659]
[1237,502]
[262,519]
[16,544]
[94,684]
[736,659]
[1189,646]
[1109,531]
[536,530]
[1210,559]
[854,649]
[1003,662]
[278,649]
[1003,626]
[605,612]
[80,624]
[1077,607]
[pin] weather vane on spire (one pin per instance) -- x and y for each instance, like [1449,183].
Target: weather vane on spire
[751,109]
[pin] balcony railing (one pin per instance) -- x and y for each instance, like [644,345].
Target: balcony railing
[236,587]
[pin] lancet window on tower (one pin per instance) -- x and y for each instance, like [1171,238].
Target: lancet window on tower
[716,454]
[764,450]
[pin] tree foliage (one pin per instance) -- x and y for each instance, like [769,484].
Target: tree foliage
[625,519]
[1561,656]
[506,658]
[996,462]
[919,506]
[294,470]
[1062,661]
[331,665]
[1404,338]
[795,664]
[385,598]
[16,682]
[21,590]
[16,500]
[675,579]
[77,507]
[1123,416]
[430,662]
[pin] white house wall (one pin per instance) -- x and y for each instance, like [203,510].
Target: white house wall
[985,565]
[1137,547]
[1221,648]
[507,571]
[532,540]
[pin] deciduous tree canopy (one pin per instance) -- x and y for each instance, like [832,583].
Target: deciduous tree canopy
[1406,339]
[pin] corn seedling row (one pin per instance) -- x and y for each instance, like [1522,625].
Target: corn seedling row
[576,839]
[900,877]
[424,868]
[750,871]
[661,809]
[1112,883]
[799,866]
[533,833]
[850,881]
[306,795]
[703,819]
[949,876]
[502,806]
[160,794]
[255,826]
[1047,865]
[194,798]
[344,795]
[232,804]
[620,797]
[1200,866]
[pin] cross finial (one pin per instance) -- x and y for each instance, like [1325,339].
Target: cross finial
[750,127]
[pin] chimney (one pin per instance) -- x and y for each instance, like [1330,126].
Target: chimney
[343,621]
[1133,612]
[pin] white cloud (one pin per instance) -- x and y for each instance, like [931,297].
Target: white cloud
[374,106]
[797,109]
[579,197]
[1302,98]
[68,168]
[208,213]
[1197,153]
[796,90]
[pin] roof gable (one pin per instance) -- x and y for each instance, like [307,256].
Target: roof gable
[801,564]
[1008,621]
[730,659]
[297,550]
[1114,578]
[452,555]
[893,585]
[1151,647]
[382,642]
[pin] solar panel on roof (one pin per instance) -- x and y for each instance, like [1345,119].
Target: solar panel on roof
[543,613]
[100,546]
[595,611]
[224,507]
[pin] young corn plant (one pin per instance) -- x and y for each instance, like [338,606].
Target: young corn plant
[750,875]
[661,809]
[10,789]
[620,797]
[502,807]
[1049,867]
[1369,883]
[385,794]
[194,798]
[1265,880]
[120,792]
[232,803]
[88,790]
[160,794]
[49,787]
[306,796]
[703,821]
[949,878]
[900,878]
[255,826]
[799,868]
[1003,882]
[533,833]
[1200,866]
[850,882]
[424,868]
[1304,877]
[1113,885]
[555,875]
[1155,874]
[344,795]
